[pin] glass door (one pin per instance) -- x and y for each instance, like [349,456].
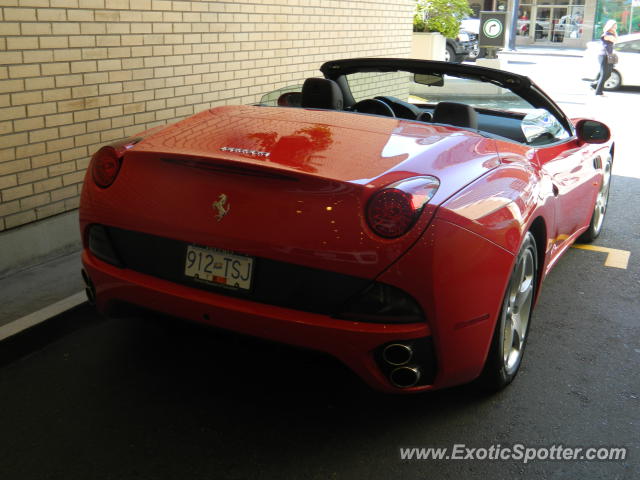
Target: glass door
[552,24]
[561,24]
[543,25]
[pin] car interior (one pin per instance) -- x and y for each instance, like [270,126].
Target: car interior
[323,93]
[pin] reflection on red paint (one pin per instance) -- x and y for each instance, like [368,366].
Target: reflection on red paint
[297,150]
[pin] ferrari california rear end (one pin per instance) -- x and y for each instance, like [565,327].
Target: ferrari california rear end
[376,239]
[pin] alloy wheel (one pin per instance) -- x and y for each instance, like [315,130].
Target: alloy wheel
[518,311]
[603,198]
[613,82]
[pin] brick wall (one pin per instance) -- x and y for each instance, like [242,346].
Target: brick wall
[75,74]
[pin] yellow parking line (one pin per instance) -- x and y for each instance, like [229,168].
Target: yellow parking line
[615,258]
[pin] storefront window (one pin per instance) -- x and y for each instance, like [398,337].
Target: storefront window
[524,19]
[569,22]
[555,20]
[622,11]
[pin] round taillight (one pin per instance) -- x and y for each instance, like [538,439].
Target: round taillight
[105,166]
[391,212]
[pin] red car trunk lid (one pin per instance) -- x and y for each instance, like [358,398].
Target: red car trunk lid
[286,184]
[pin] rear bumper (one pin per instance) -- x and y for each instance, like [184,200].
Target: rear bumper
[354,343]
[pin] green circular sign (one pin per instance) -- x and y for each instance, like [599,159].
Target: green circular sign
[492,28]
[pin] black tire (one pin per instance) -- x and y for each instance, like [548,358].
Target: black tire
[600,207]
[512,327]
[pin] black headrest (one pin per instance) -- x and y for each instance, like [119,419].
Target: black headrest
[321,93]
[456,114]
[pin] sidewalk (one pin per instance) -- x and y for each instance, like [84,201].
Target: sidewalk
[544,50]
[31,296]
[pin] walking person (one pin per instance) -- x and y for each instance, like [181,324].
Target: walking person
[608,38]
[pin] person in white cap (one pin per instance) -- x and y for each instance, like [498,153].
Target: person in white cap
[608,38]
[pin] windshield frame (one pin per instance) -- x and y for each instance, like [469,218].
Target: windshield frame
[520,85]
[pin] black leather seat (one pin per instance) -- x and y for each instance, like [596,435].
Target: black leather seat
[321,93]
[456,114]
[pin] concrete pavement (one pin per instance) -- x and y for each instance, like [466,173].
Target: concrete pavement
[40,292]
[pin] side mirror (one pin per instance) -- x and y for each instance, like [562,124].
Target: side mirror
[592,131]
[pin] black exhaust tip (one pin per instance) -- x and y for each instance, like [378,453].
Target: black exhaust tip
[397,354]
[405,376]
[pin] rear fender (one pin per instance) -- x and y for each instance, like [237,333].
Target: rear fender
[459,278]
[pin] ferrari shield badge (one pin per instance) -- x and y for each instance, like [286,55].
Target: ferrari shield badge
[222,207]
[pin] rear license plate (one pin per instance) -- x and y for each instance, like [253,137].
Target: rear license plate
[218,267]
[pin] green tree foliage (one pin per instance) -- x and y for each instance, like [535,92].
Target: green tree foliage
[440,16]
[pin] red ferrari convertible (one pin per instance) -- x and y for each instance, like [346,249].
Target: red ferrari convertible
[397,214]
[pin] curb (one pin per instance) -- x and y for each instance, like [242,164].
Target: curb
[42,315]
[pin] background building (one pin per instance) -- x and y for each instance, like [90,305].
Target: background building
[572,23]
